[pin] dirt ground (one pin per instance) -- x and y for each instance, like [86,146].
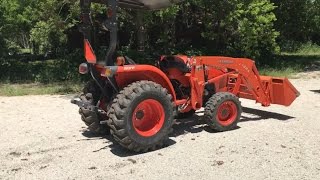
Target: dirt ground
[42,137]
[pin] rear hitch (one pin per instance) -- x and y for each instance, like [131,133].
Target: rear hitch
[77,101]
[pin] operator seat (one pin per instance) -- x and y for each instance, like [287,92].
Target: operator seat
[168,62]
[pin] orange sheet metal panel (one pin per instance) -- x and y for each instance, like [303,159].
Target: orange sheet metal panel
[281,91]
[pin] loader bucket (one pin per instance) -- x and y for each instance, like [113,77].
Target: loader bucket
[281,91]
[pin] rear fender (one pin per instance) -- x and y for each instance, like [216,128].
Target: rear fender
[128,74]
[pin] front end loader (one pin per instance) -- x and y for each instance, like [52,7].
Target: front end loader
[138,103]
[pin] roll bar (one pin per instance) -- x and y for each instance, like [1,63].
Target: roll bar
[111,22]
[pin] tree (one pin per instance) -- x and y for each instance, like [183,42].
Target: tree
[2,41]
[18,16]
[234,27]
[54,18]
[33,23]
[298,22]
[239,28]
[315,21]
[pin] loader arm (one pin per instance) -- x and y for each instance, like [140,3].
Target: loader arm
[244,81]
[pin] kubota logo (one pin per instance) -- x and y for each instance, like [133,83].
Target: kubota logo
[226,61]
[129,68]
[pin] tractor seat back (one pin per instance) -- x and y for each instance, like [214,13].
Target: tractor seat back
[177,62]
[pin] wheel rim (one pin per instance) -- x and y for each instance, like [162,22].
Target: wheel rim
[148,117]
[227,113]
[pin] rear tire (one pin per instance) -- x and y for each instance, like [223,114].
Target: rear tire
[91,94]
[223,111]
[141,116]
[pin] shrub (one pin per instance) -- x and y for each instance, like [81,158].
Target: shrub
[48,71]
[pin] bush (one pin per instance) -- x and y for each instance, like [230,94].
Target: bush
[234,28]
[56,70]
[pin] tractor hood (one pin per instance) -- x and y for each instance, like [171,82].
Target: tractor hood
[147,4]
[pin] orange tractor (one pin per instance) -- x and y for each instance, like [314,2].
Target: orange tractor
[138,103]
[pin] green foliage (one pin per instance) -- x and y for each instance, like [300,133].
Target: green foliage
[249,28]
[37,24]
[280,72]
[306,49]
[48,71]
[18,17]
[3,48]
[309,49]
[239,28]
[45,37]
[257,36]
[298,22]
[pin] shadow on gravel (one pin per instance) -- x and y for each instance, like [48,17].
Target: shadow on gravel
[91,135]
[315,91]
[263,115]
[118,150]
[114,147]
[194,124]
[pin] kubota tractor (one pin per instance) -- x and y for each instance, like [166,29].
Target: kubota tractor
[138,103]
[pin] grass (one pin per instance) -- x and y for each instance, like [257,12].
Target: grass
[286,72]
[287,64]
[308,49]
[39,89]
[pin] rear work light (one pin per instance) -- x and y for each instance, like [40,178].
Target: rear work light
[83,68]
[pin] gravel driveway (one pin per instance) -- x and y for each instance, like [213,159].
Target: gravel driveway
[42,137]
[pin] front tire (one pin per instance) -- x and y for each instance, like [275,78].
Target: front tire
[223,111]
[141,116]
